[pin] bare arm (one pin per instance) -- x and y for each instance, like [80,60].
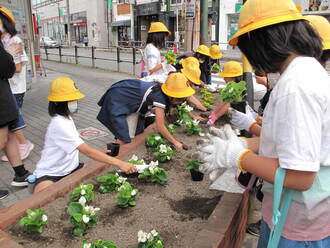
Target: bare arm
[19,67]
[265,168]
[160,125]
[253,144]
[194,100]
[104,158]
[156,68]
[222,109]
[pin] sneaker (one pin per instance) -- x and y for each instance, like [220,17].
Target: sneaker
[254,229]
[20,181]
[24,151]
[3,193]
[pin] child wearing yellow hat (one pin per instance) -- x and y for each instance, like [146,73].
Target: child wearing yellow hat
[60,155]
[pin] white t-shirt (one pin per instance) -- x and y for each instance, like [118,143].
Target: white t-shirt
[18,81]
[59,156]
[296,130]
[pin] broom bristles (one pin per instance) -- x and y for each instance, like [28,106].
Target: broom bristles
[235,234]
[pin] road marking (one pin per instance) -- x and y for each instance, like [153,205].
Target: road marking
[91,133]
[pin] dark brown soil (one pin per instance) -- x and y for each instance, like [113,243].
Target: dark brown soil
[177,210]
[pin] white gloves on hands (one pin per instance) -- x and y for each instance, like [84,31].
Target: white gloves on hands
[220,133]
[243,121]
[224,151]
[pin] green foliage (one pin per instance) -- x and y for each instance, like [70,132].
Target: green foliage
[155,140]
[82,217]
[215,68]
[126,195]
[164,153]
[150,240]
[34,221]
[193,128]
[234,92]
[171,128]
[135,160]
[183,113]
[98,244]
[110,182]
[208,98]
[154,174]
[171,57]
[193,164]
[83,190]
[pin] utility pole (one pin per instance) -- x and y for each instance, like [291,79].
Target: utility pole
[204,21]
[68,21]
[28,16]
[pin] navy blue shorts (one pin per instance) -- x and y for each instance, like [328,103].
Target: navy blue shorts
[20,123]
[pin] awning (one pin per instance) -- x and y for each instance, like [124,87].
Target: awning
[121,23]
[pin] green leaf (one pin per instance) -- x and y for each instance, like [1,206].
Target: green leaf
[75,207]
[78,231]
[234,92]
[132,203]
[77,217]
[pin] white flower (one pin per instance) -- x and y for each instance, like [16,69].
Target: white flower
[154,232]
[82,200]
[134,192]
[142,236]
[195,122]
[188,108]
[159,242]
[88,208]
[82,186]
[44,218]
[168,157]
[134,158]
[122,179]
[154,163]
[92,210]
[157,137]
[85,218]
[150,237]
[162,148]
[201,134]
[83,192]
[171,126]
[87,245]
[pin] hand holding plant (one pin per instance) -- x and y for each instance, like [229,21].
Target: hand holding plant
[150,240]
[171,57]
[82,217]
[154,174]
[234,92]
[83,193]
[110,182]
[164,153]
[126,195]
[98,244]
[34,221]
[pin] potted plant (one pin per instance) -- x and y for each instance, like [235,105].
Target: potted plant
[235,94]
[193,166]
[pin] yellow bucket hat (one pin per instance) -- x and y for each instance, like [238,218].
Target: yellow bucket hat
[177,86]
[157,27]
[6,12]
[191,70]
[257,14]
[202,49]
[215,52]
[231,69]
[62,89]
[322,26]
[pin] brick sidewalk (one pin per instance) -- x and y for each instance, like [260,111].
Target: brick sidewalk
[92,82]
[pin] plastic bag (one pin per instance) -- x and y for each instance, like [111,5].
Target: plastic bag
[227,182]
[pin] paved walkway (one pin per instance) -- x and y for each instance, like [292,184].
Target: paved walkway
[92,82]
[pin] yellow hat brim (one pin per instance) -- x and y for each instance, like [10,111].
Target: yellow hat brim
[326,45]
[264,23]
[188,92]
[66,98]
[204,53]
[223,74]
[196,81]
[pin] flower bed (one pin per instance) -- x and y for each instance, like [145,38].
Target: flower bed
[176,210]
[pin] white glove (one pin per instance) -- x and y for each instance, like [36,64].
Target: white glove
[242,121]
[222,153]
[219,132]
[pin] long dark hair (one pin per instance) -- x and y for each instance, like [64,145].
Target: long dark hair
[58,108]
[157,39]
[267,48]
[325,57]
[8,25]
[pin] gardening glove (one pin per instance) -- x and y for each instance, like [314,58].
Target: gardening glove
[219,132]
[242,121]
[206,152]
[212,119]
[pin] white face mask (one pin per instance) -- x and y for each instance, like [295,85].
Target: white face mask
[73,106]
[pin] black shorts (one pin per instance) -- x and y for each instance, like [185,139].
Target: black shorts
[56,178]
[8,124]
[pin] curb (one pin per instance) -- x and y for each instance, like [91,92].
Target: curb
[11,214]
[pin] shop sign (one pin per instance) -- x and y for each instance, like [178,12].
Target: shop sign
[190,9]
[148,9]
[238,7]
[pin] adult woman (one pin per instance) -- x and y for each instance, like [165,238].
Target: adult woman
[124,104]
[18,81]
[296,125]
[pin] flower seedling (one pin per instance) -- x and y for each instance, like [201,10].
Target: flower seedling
[215,68]
[110,182]
[193,164]
[82,217]
[164,153]
[34,221]
[155,140]
[171,57]
[83,193]
[154,174]
[98,244]
[171,128]
[126,195]
[208,98]
[234,92]
[150,240]
[193,128]
[135,160]
[183,112]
